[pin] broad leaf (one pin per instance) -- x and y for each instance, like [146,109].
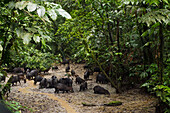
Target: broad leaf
[52,14]
[11,5]
[41,11]
[36,38]
[31,7]
[45,17]
[21,5]
[19,32]
[26,38]
[63,13]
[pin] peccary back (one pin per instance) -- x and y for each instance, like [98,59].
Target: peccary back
[47,69]
[37,79]
[66,81]
[83,86]
[62,87]
[18,70]
[79,80]
[100,90]
[54,68]
[67,68]
[52,81]
[86,75]
[32,74]
[73,72]
[21,77]
[101,79]
[15,79]
[43,83]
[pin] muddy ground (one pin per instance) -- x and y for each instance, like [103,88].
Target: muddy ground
[46,101]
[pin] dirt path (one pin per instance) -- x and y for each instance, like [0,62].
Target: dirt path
[63,104]
[46,101]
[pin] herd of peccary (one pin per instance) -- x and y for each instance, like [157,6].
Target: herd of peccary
[59,84]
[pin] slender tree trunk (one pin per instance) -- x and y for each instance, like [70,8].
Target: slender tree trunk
[161,47]
[109,29]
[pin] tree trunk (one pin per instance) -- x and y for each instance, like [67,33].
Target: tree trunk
[161,39]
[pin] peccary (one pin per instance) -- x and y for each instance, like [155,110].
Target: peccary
[62,87]
[52,81]
[43,83]
[18,70]
[100,90]
[66,81]
[83,86]
[21,77]
[54,68]
[15,79]
[47,69]
[97,69]
[73,72]
[37,79]
[32,74]
[2,78]
[86,75]
[101,79]
[67,68]
[65,61]
[79,80]
[86,66]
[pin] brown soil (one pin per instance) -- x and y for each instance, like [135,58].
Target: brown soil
[46,101]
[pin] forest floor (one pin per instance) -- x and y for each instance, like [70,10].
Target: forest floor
[46,101]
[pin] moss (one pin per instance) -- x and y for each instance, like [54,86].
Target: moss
[114,103]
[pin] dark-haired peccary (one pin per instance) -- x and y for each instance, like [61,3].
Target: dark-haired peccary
[43,83]
[79,80]
[22,77]
[47,69]
[65,61]
[15,79]
[52,81]
[2,78]
[67,68]
[86,74]
[54,68]
[97,69]
[100,90]
[37,79]
[32,74]
[66,81]
[73,72]
[101,78]
[18,70]
[62,87]
[83,86]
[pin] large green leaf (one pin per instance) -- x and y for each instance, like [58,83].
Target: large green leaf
[26,38]
[31,7]
[21,5]
[11,5]
[36,38]
[19,32]
[52,14]
[41,11]
[63,13]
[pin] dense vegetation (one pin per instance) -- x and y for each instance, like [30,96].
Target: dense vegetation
[127,39]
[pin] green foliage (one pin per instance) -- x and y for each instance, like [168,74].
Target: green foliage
[162,90]
[16,107]
[33,59]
